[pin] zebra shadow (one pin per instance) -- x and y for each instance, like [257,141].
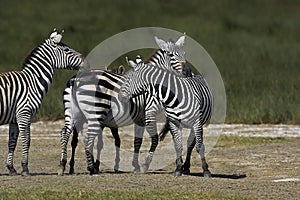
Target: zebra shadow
[224,176]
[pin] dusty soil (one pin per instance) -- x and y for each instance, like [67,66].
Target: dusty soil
[266,171]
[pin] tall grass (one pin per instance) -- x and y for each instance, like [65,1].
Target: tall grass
[255,44]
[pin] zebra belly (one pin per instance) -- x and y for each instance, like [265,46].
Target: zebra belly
[118,115]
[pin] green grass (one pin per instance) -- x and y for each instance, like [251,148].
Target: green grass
[255,44]
[226,141]
[124,195]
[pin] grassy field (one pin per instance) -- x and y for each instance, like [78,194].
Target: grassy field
[255,44]
[77,195]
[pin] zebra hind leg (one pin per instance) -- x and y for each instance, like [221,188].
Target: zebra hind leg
[74,145]
[190,146]
[115,134]
[206,172]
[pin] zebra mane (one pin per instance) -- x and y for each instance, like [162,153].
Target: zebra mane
[29,57]
[153,53]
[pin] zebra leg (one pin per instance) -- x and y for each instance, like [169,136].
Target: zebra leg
[201,150]
[12,143]
[64,137]
[151,129]
[177,138]
[190,146]
[94,128]
[74,143]
[115,134]
[138,140]
[24,128]
[99,148]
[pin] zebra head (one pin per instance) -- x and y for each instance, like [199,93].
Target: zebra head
[133,84]
[174,51]
[62,56]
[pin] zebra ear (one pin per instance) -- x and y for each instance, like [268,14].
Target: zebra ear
[138,59]
[180,41]
[56,37]
[121,69]
[161,43]
[131,63]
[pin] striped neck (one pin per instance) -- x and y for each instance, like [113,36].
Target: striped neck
[163,59]
[38,65]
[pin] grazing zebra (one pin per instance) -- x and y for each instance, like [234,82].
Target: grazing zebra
[22,91]
[109,111]
[187,101]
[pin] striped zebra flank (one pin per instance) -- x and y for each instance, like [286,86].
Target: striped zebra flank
[21,92]
[94,97]
[188,103]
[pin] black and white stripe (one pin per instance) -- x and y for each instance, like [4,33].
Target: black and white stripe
[101,96]
[187,101]
[22,91]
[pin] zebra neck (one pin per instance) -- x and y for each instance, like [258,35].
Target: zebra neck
[40,72]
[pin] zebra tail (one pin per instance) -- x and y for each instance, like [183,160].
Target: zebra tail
[164,131]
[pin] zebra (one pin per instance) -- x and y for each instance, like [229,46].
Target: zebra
[22,91]
[74,123]
[112,109]
[188,102]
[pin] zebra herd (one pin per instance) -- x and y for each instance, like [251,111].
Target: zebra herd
[103,98]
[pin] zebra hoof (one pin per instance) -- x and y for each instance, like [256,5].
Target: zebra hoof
[12,171]
[186,171]
[145,168]
[92,170]
[25,173]
[176,174]
[97,167]
[71,171]
[137,168]
[207,174]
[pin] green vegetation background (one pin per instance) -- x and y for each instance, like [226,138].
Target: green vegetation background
[255,44]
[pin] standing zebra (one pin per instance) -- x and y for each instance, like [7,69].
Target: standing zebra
[187,101]
[98,103]
[22,91]
[74,120]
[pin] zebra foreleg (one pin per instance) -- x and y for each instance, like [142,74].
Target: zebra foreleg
[12,143]
[190,146]
[154,143]
[138,140]
[177,138]
[115,134]
[24,128]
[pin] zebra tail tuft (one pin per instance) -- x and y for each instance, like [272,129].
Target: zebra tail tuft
[164,131]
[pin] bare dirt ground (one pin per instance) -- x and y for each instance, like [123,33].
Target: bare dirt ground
[265,171]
